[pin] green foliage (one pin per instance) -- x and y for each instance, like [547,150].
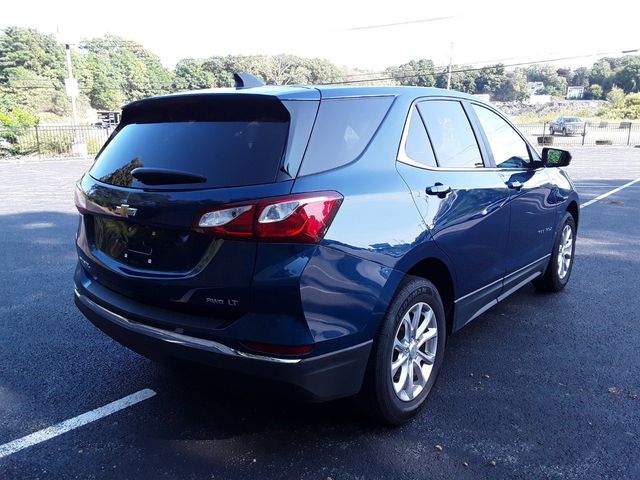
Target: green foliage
[513,88]
[273,70]
[628,74]
[113,71]
[580,77]
[554,84]
[596,92]
[121,71]
[616,97]
[37,53]
[416,72]
[625,107]
[13,123]
[190,74]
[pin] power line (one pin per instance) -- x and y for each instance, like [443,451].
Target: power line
[408,22]
[32,84]
[464,70]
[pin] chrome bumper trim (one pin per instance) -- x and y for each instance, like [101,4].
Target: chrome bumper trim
[177,338]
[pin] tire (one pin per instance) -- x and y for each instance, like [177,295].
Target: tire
[380,389]
[556,277]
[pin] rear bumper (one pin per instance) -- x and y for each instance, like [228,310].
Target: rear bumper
[325,377]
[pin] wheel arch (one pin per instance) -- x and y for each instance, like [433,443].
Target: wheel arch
[438,273]
[574,210]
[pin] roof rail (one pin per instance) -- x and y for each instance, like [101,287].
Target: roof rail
[246,80]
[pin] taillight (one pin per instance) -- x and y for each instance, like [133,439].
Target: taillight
[301,218]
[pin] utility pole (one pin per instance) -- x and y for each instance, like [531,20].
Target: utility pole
[79,146]
[71,85]
[449,74]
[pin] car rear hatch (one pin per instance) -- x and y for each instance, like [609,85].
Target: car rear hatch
[171,159]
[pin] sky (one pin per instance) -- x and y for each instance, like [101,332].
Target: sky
[482,32]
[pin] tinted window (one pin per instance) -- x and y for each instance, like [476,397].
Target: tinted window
[453,140]
[509,150]
[343,129]
[417,146]
[226,153]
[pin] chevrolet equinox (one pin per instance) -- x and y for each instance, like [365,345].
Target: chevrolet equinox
[328,238]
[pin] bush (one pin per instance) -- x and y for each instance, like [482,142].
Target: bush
[604,142]
[616,97]
[595,91]
[14,122]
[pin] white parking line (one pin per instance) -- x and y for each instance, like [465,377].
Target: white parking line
[75,422]
[610,192]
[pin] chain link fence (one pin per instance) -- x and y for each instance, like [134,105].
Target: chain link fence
[86,140]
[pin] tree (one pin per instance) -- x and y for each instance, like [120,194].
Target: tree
[418,73]
[130,69]
[580,77]
[31,50]
[513,88]
[565,73]
[601,74]
[490,79]
[595,91]
[616,97]
[628,76]
[273,70]
[553,83]
[190,74]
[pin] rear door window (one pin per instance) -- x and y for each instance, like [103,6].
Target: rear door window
[343,129]
[417,146]
[453,140]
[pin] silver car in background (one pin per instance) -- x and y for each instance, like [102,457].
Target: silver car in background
[567,126]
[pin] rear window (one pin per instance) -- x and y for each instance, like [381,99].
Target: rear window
[229,147]
[343,129]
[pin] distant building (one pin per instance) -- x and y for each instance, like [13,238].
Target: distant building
[535,87]
[539,99]
[483,96]
[575,93]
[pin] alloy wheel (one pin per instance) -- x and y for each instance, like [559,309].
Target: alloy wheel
[565,251]
[414,351]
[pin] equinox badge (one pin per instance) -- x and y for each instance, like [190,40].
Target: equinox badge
[125,210]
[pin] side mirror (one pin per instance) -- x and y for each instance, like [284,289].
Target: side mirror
[554,157]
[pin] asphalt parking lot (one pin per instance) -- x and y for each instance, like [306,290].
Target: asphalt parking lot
[540,386]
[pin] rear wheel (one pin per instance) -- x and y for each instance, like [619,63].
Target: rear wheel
[560,265]
[408,352]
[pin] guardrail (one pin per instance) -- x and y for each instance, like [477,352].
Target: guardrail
[86,140]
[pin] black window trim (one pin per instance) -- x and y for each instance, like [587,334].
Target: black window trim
[481,139]
[536,160]
[404,158]
[393,97]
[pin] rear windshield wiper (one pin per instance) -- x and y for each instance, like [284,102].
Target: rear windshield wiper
[163,176]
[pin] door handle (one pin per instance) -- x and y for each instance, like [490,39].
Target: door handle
[516,185]
[438,189]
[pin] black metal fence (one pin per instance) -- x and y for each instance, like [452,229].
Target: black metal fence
[591,133]
[86,140]
[53,141]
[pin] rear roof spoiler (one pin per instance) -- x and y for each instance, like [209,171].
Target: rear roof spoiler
[246,80]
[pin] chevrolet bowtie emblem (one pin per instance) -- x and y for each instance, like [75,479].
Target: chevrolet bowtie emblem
[125,210]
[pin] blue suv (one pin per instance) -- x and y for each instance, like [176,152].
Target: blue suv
[328,238]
